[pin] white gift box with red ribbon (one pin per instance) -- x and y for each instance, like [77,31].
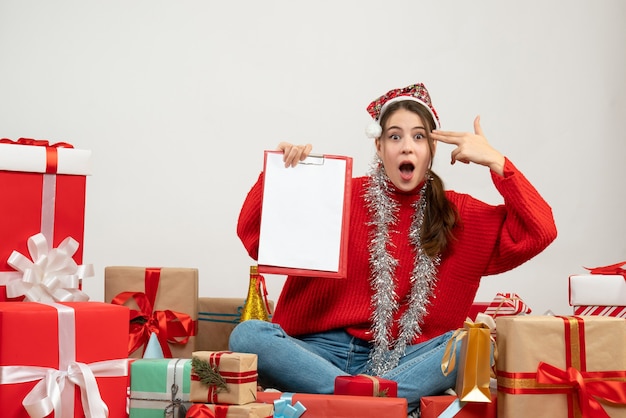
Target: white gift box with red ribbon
[35,159]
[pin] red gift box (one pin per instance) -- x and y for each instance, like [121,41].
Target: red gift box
[342,406]
[365,385]
[63,347]
[434,406]
[43,190]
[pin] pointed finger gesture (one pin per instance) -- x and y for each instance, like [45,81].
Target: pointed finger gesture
[471,147]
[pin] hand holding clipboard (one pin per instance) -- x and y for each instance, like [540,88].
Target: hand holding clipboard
[305,216]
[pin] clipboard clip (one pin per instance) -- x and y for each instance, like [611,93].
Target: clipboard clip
[313,159]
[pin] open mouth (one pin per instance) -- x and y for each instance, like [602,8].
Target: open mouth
[406,170]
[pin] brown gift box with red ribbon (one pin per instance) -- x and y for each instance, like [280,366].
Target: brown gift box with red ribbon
[43,190]
[163,300]
[236,383]
[561,366]
[365,385]
[251,410]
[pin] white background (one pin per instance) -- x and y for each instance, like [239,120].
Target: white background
[178,99]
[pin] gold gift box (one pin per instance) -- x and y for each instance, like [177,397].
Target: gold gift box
[592,345]
[177,292]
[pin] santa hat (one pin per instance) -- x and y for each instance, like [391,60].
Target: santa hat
[416,92]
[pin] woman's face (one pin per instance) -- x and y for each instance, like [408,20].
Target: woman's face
[403,148]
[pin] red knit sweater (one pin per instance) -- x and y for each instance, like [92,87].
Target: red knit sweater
[492,239]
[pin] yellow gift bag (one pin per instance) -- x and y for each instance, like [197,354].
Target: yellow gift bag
[474,371]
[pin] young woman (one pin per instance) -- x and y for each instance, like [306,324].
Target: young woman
[415,259]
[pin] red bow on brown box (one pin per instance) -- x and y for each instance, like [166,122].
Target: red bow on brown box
[169,326]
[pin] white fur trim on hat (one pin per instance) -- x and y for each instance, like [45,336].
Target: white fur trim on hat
[374,130]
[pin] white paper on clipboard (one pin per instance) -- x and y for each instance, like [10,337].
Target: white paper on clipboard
[304,215]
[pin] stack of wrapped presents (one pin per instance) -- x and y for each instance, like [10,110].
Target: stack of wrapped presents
[154,348]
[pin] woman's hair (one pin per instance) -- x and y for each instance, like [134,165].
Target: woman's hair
[441,216]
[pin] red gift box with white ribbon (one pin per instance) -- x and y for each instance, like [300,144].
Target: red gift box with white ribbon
[42,186]
[63,359]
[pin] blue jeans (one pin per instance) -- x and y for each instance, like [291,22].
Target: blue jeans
[310,363]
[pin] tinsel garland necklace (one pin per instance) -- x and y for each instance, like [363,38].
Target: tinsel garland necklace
[383,210]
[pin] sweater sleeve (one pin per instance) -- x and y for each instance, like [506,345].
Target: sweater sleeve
[249,223]
[528,225]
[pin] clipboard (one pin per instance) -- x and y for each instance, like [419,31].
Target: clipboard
[305,216]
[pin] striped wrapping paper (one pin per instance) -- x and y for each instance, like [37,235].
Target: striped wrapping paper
[614,311]
[505,304]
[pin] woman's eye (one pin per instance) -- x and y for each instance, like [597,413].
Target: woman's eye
[419,136]
[394,137]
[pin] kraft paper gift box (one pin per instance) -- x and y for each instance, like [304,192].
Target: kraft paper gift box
[63,349]
[217,317]
[341,406]
[365,385]
[232,377]
[162,300]
[251,410]
[159,387]
[43,191]
[561,366]
[451,406]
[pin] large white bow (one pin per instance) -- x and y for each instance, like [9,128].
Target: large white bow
[46,398]
[49,275]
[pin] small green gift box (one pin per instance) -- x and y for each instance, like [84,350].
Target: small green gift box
[159,387]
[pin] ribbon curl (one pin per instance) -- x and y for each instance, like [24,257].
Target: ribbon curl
[587,390]
[611,269]
[49,275]
[36,142]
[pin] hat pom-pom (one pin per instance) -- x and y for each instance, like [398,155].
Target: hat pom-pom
[374,130]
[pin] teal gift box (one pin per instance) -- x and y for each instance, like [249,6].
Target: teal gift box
[159,387]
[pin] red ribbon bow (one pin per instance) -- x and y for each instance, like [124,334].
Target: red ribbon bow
[612,269]
[170,327]
[587,391]
[36,142]
[203,411]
